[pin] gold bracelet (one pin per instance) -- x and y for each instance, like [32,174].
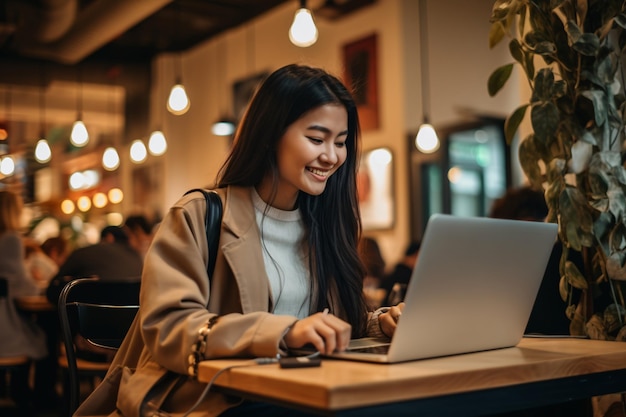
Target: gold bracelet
[198,348]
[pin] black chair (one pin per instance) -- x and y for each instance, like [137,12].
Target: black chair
[99,313]
[16,366]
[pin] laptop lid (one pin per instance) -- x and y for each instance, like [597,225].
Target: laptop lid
[472,289]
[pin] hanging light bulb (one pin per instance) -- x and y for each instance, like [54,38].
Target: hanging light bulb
[110,159]
[43,153]
[138,152]
[7,166]
[79,136]
[157,145]
[426,140]
[303,31]
[178,102]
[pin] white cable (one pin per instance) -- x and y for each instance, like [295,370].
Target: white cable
[252,362]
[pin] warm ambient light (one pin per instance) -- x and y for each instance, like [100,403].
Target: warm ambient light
[99,200]
[303,32]
[223,128]
[138,152]
[79,136]
[83,203]
[379,158]
[115,195]
[7,166]
[157,145]
[83,180]
[178,103]
[42,151]
[110,159]
[67,206]
[427,140]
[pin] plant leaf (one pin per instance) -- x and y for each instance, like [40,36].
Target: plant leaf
[512,123]
[543,86]
[496,34]
[597,98]
[498,78]
[528,160]
[545,120]
[515,49]
[563,288]
[581,156]
[574,277]
[587,44]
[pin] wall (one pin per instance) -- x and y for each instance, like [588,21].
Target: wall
[459,61]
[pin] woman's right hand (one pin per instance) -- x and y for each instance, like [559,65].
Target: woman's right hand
[328,333]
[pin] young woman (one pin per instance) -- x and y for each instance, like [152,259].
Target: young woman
[287,272]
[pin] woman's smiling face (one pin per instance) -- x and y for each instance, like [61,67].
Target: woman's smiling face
[311,150]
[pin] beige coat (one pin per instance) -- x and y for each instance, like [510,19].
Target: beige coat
[175,294]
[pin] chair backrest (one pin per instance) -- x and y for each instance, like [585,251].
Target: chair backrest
[99,311]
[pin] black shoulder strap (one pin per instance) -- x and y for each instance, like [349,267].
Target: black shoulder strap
[212,224]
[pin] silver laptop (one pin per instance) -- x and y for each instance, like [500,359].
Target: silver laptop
[472,289]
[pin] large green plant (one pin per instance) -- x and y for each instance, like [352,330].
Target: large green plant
[571,53]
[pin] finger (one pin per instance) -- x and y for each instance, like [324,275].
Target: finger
[343,331]
[387,323]
[395,313]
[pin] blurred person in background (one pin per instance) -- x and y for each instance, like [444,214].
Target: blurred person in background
[139,231]
[56,248]
[548,314]
[401,274]
[40,266]
[112,259]
[20,334]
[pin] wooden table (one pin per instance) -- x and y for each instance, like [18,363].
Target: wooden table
[538,372]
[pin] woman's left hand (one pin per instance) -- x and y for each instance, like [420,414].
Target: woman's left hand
[388,321]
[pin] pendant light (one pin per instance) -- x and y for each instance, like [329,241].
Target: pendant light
[7,164]
[178,102]
[225,125]
[303,32]
[43,154]
[138,151]
[426,140]
[110,156]
[157,144]
[79,136]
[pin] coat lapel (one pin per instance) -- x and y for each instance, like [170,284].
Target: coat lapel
[242,250]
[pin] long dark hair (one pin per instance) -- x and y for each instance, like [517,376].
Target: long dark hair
[332,221]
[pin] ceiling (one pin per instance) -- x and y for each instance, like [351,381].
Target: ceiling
[92,43]
[73,31]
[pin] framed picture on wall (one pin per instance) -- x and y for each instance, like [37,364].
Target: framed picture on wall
[375,189]
[360,66]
